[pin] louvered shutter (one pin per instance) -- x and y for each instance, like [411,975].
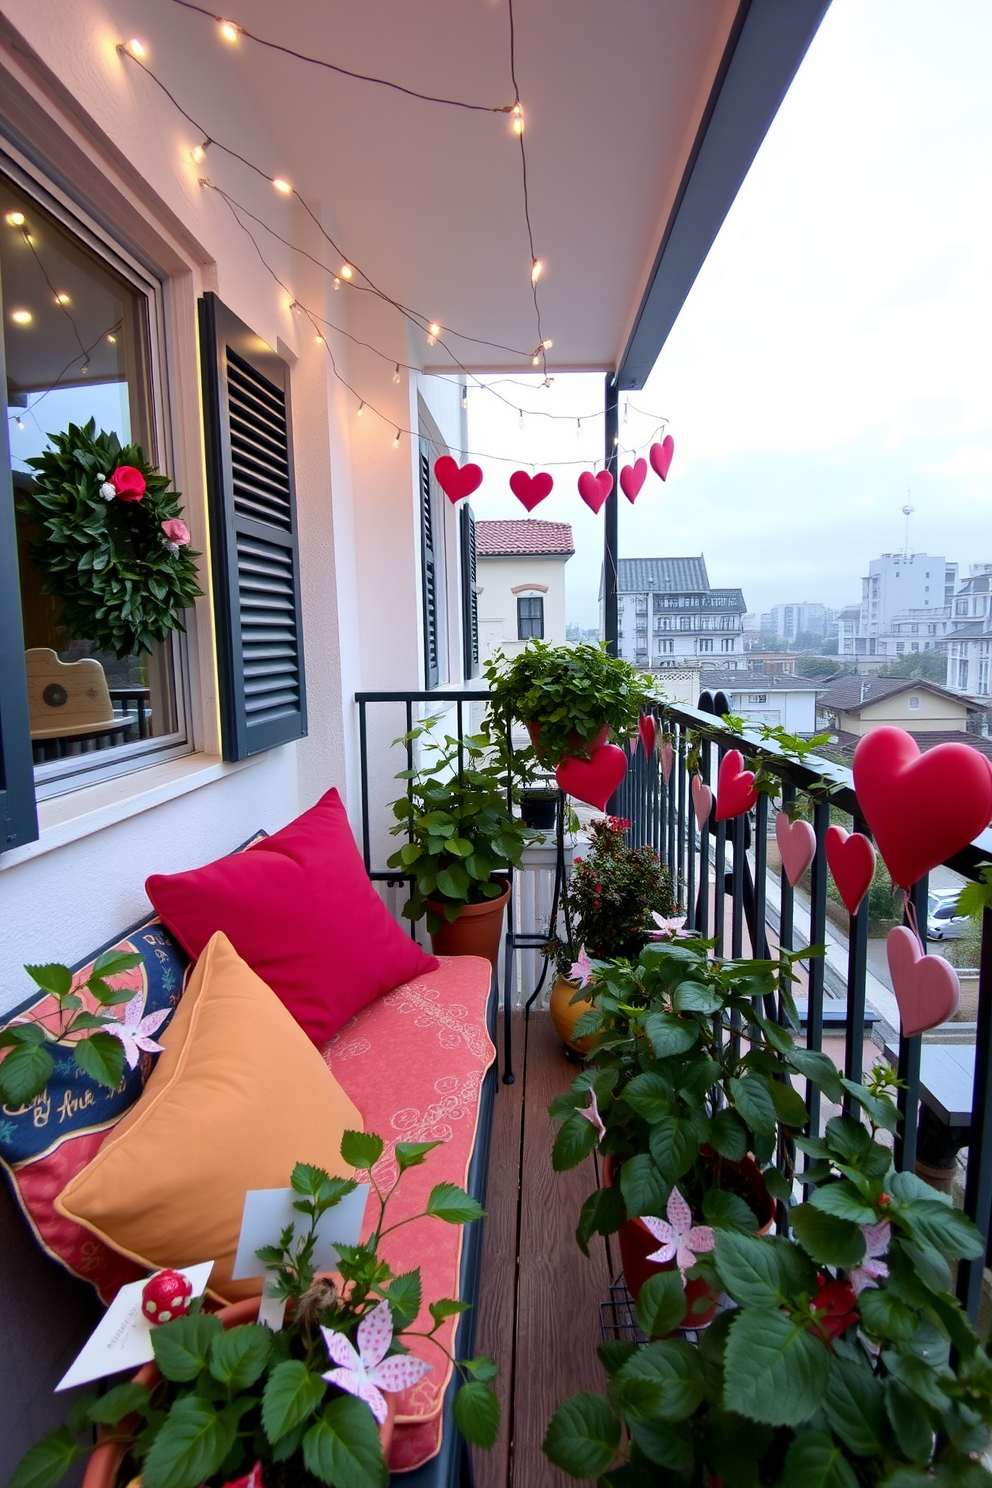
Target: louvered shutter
[429,569]
[470,595]
[253,535]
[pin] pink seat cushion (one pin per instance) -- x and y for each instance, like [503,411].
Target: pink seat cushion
[299,908]
[413,1063]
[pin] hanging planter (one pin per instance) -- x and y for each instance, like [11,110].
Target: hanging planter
[111,543]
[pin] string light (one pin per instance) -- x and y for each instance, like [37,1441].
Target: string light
[536,270]
[396,441]
[320,339]
[346,271]
[16,219]
[361,408]
[84,369]
[535,360]
[396,374]
[21,317]
[517,118]
[198,154]
[434,331]
[282,185]
[62,299]
[520,420]
[136,48]
[229,30]
[111,338]
[547,345]
[337,282]
[464,397]
[19,422]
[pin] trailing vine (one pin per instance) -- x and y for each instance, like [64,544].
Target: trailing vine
[111,544]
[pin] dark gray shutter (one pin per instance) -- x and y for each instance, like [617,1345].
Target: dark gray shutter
[429,567]
[470,594]
[18,815]
[253,535]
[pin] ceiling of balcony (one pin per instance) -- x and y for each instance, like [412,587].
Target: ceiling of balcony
[427,200]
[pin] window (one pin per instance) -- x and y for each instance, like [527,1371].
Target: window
[914,703]
[81,333]
[705,645]
[530,619]
[757,697]
[665,648]
[727,644]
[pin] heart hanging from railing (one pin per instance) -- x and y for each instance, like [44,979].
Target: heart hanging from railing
[647,728]
[593,780]
[530,490]
[661,456]
[926,987]
[796,845]
[456,481]
[851,860]
[702,800]
[735,791]
[632,478]
[594,489]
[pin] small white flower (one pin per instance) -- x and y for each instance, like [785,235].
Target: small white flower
[679,1239]
[108,491]
[171,547]
[364,1370]
[135,1033]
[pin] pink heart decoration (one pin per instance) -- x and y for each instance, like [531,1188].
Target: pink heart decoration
[796,844]
[661,456]
[632,478]
[456,481]
[851,860]
[530,490]
[702,800]
[593,780]
[921,808]
[594,489]
[647,728]
[735,791]
[926,987]
[667,754]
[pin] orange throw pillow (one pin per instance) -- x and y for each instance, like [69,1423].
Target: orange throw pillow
[239,1096]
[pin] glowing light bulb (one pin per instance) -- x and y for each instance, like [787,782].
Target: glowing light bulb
[229,30]
[111,338]
[320,339]
[396,373]
[63,299]
[346,271]
[84,369]
[136,48]
[464,397]
[520,420]
[16,219]
[281,185]
[536,270]
[21,317]
[19,422]
[547,345]
[517,119]
[361,409]
[535,360]
[337,282]
[396,441]
[435,330]
[198,154]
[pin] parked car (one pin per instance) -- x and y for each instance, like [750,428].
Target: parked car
[943,920]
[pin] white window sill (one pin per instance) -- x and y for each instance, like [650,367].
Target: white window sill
[64,819]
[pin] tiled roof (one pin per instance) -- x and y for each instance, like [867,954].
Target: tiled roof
[850,693]
[525,538]
[662,575]
[731,680]
[924,740]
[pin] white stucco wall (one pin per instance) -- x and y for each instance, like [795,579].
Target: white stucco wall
[498,579]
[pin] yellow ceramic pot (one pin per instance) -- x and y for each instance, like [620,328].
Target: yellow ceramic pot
[565,1014]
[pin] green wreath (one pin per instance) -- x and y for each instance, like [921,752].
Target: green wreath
[112,545]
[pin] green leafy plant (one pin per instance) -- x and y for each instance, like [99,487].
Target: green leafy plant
[570,692]
[27,1067]
[843,1360]
[460,827]
[611,896]
[229,1399]
[123,578]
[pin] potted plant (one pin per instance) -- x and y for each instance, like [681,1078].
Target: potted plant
[612,899]
[690,1090]
[244,1405]
[843,1360]
[571,698]
[539,806]
[462,834]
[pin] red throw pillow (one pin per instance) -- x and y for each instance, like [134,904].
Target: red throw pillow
[299,908]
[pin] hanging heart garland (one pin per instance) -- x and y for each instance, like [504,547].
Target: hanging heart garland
[735,791]
[456,481]
[796,845]
[922,809]
[647,728]
[851,860]
[632,478]
[702,800]
[661,456]
[926,987]
[666,754]
[530,490]
[594,489]
[593,780]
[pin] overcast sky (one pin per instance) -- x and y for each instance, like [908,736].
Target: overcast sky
[835,350]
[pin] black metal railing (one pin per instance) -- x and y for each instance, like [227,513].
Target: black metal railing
[722,879]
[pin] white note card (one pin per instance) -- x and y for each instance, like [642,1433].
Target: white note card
[267,1213]
[123,1337]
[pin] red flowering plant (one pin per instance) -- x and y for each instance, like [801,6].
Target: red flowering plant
[843,1359]
[613,897]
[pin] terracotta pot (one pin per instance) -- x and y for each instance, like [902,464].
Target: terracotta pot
[565,1014]
[477,931]
[637,1243]
[581,747]
[103,1468]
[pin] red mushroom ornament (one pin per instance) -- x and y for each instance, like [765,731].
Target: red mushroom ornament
[165,1296]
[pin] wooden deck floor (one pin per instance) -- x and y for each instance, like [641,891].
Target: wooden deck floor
[539,1302]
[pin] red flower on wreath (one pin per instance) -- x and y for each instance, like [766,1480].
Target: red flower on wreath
[837,1301]
[128,483]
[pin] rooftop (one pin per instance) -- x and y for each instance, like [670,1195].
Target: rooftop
[525,538]
[850,693]
[662,575]
[924,740]
[738,680]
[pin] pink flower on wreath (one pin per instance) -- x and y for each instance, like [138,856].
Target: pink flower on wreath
[680,1239]
[872,1269]
[366,1371]
[581,971]
[175,534]
[128,482]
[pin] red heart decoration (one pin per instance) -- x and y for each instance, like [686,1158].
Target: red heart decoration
[921,808]
[851,859]
[594,489]
[661,456]
[926,987]
[647,728]
[593,780]
[530,490]
[667,754]
[456,481]
[632,478]
[796,844]
[702,800]
[735,791]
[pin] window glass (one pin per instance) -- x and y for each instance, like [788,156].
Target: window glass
[530,619]
[76,337]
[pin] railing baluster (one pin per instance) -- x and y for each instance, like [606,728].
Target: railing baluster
[739,829]
[719,879]
[857,973]
[363,763]
[978,1184]
[704,851]
[681,821]
[759,934]
[910,1051]
[786,925]
[816,965]
[671,787]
